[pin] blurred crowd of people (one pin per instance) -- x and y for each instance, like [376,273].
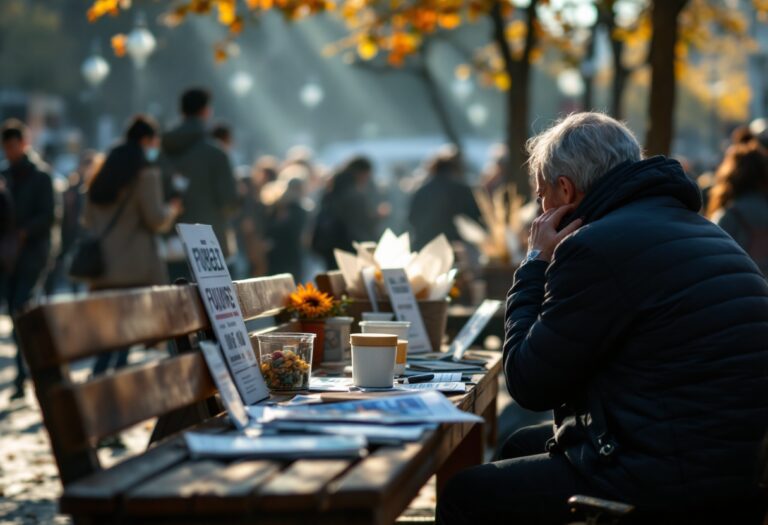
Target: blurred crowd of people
[278,215]
[737,197]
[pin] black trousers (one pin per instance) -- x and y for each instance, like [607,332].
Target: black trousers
[19,289]
[526,486]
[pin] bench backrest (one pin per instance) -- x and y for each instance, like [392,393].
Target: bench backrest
[77,415]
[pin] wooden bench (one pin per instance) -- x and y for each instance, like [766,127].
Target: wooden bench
[164,484]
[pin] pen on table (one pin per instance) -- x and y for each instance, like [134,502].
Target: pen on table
[423,378]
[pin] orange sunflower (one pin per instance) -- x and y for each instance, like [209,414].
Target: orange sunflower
[310,303]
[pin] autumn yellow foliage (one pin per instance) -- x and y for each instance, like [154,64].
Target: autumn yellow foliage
[395,29]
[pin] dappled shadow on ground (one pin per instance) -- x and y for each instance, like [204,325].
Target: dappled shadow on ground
[29,482]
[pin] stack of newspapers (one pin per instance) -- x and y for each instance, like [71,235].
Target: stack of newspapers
[342,429]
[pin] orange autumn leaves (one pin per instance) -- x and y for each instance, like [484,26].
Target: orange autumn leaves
[396,28]
[101,8]
[392,28]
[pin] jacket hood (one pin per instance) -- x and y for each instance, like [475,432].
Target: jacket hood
[186,135]
[633,181]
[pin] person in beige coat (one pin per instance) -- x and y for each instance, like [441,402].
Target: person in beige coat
[127,192]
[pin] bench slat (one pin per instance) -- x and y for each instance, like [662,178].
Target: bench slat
[194,487]
[112,403]
[109,320]
[302,485]
[98,493]
[231,489]
[121,318]
[264,296]
[368,483]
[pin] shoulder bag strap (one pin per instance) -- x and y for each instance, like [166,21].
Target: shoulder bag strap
[118,212]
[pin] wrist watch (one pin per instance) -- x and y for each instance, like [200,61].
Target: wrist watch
[533,255]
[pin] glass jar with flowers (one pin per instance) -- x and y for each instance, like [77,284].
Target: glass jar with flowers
[312,308]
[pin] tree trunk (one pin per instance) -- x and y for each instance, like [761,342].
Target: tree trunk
[518,100]
[620,77]
[518,96]
[661,108]
[588,69]
[423,74]
[620,72]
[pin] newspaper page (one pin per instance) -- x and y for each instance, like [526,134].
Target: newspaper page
[418,407]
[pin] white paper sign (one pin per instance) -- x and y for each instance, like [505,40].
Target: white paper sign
[220,299]
[369,280]
[407,309]
[223,381]
[473,327]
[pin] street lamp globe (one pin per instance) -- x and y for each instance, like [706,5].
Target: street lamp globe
[311,94]
[477,114]
[241,83]
[462,88]
[140,42]
[570,83]
[94,70]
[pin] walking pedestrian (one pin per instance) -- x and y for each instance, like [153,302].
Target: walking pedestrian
[442,197]
[31,190]
[200,173]
[286,221]
[125,205]
[738,200]
[348,211]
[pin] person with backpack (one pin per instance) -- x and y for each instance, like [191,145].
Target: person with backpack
[738,200]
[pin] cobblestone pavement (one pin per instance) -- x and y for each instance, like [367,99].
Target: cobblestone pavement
[29,483]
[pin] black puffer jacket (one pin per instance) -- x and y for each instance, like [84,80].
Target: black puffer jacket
[648,335]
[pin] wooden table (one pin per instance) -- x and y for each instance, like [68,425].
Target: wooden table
[164,485]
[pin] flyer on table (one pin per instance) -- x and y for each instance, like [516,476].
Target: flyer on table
[220,299]
[407,309]
[223,381]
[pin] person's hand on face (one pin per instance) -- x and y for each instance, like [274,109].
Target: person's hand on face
[544,235]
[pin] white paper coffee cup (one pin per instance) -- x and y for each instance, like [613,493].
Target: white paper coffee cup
[373,360]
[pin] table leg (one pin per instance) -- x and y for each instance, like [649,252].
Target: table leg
[468,454]
[491,425]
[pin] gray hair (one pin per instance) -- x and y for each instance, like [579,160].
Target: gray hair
[582,147]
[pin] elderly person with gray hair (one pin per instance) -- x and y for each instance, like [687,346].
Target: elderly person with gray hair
[644,328]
